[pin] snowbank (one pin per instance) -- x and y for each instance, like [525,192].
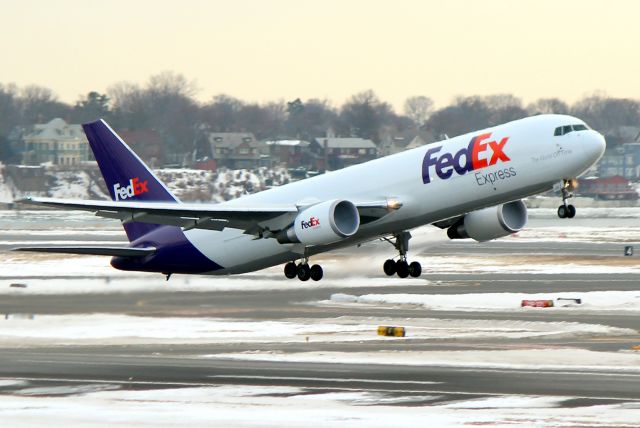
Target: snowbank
[86,329]
[235,406]
[591,301]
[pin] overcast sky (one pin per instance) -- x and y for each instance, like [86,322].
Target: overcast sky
[266,50]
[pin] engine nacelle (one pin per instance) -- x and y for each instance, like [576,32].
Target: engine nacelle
[491,223]
[323,223]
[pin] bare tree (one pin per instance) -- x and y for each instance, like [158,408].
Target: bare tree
[418,109]
[364,114]
[548,106]
[39,104]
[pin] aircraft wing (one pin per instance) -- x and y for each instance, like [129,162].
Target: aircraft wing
[95,251]
[250,218]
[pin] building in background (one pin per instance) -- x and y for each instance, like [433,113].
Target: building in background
[622,160]
[337,153]
[290,153]
[147,144]
[55,142]
[237,150]
[607,188]
[410,139]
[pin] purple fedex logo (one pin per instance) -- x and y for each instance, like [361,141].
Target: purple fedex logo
[477,155]
[135,187]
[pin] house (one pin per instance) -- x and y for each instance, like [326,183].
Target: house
[609,188]
[147,144]
[291,153]
[337,153]
[237,150]
[55,142]
[396,143]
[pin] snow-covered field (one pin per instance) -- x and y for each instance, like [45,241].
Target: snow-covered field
[186,184]
[257,406]
[552,358]
[22,330]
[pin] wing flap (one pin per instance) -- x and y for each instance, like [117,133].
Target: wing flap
[95,251]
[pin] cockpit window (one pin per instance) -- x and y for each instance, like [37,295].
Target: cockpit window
[563,130]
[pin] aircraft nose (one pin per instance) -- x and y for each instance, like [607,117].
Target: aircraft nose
[594,146]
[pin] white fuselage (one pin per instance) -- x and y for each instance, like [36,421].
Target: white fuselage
[518,159]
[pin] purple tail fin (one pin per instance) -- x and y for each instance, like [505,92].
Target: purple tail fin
[126,176]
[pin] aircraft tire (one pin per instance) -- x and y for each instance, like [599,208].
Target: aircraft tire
[402,268]
[316,272]
[290,270]
[571,211]
[562,211]
[415,269]
[389,267]
[304,272]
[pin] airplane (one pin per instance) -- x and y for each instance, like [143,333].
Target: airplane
[471,185]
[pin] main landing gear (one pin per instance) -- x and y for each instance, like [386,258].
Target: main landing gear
[567,210]
[303,271]
[401,267]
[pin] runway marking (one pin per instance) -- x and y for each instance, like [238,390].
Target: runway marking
[327,379]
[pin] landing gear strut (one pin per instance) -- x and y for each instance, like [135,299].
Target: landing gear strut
[401,267]
[303,271]
[567,210]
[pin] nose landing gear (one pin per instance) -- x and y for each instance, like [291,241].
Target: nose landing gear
[567,210]
[401,267]
[303,271]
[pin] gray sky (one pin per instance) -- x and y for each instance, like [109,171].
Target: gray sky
[266,50]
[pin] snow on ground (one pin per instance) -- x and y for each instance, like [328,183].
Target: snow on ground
[70,185]
[588,212]
[519,263]
[543,358]
[93,274]
[576,234]
[85,329]
[259,406]
[590,301]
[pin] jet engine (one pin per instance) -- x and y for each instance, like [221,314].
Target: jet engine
[490,223]
[323,223]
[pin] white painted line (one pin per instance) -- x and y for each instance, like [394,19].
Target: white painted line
[327,379]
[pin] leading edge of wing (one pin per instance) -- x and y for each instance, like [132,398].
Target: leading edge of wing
[94,205]
[94,251]
[200,216]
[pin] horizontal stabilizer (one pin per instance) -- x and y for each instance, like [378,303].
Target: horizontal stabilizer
[95,251]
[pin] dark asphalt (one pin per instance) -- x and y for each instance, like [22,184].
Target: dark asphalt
[161,366]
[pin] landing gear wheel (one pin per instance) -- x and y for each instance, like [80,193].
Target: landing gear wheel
[571,211]
[290,270]
[389,267]
[402,268]
[563,211]
[304,272]
[415,269]
[316,272]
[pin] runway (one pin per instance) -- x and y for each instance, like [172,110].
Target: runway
[248,351]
